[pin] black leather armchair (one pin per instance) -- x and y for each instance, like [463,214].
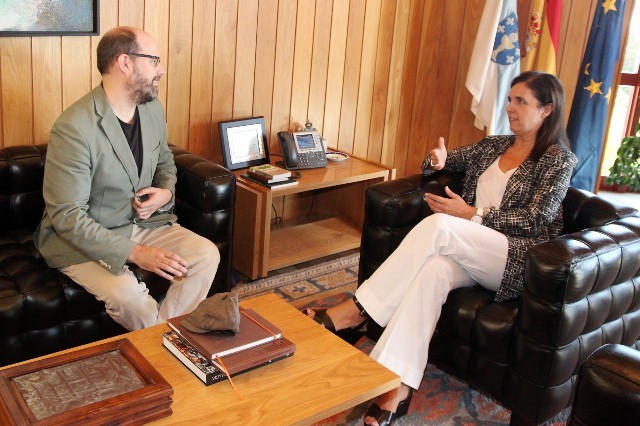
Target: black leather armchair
[43,311]
[608,388]
[582,291]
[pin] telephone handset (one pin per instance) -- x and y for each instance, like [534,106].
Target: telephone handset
[302,150]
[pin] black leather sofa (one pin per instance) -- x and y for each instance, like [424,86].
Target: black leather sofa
[41,310]
[582,291]
[608,388]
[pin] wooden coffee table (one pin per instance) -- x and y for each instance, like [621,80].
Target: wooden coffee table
[324,377]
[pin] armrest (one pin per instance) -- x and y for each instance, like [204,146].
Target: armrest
[398,203]
[608,388]
[578,290]
[583,209]
[392,209]
[205,196]
[205,192]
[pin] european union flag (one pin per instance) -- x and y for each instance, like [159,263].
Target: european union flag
[591,102]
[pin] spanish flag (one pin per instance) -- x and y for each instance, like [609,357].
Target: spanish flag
[541,39]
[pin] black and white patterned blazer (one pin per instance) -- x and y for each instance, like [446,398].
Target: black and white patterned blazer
[531,208]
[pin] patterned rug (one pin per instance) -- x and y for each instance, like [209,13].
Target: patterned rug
[441,399]
[331,279]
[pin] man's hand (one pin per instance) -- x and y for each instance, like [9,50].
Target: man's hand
[160,261]
[148,200]
[454,206]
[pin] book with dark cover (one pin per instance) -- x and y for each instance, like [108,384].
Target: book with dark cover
[257,356]
[267,179]
[209,374]
[272,185]
[269,172]
[192,359]
[215,343]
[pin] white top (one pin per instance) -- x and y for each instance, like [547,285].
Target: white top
[491,185]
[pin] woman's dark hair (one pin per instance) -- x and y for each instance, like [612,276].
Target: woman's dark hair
[548,91]
[113,43]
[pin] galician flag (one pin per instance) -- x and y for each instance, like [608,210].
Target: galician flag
[543,33]
[494,63]
[590,107]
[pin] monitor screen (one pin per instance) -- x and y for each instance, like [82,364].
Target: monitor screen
[305,141]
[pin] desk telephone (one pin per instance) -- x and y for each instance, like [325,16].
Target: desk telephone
[302,150]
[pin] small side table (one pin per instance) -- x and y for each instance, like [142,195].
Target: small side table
[322,215]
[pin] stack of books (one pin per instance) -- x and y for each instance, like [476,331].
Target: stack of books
[208,355]
[270,176]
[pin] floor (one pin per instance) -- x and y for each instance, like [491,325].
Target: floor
[241,279]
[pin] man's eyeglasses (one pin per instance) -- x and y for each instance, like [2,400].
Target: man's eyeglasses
[156,59]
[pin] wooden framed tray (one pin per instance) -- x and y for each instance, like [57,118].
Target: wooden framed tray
[107,383]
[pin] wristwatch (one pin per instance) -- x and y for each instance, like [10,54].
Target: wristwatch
[477,217]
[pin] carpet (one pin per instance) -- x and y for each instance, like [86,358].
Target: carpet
[441,399]
[331,281]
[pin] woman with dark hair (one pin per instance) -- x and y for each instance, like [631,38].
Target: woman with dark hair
[511,200]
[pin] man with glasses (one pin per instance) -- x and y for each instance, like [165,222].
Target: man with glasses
[109,188]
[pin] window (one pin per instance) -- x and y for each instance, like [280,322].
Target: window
[626,109]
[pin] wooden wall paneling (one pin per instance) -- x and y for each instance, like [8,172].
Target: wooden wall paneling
[156,23]
[224,63]
[17,95]
[108,20]
[523,9]
[426,83]
[381,79]
[285,39]
[409,70]
[396,72]
[76,69]
[179,71]
[303,52]
[343,71]
[200,117]
[446,75]
[461,129]
[265,60]
[320,63]
[131,13]
[564,23]
[374,86]
[245,59]
[367,77]
[47,85]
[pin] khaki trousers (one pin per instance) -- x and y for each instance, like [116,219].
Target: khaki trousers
[128,302]
[407,291]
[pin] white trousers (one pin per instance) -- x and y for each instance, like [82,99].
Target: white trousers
[128,302]
[406,293]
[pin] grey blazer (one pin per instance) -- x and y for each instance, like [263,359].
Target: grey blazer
[90,179]
[531,208]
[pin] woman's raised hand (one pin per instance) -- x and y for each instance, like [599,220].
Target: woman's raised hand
[438,155]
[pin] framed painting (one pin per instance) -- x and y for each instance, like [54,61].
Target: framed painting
[108,383]
[244,143]
[49,17]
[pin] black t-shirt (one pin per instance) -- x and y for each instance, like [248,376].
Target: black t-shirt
[134,137]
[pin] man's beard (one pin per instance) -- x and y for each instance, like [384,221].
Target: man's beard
[142,91]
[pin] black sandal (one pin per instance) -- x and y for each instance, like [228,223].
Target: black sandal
[350,335]
[386,417]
